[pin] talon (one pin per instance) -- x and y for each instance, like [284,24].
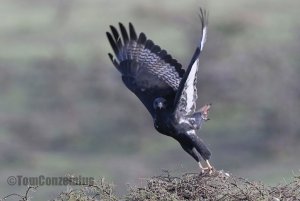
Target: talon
[202,169]
[209,167]
[209,170]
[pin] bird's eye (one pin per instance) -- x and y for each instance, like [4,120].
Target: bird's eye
[192,121]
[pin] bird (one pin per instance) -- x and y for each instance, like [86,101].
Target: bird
[168,91]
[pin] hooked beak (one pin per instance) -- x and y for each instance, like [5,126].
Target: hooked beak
[160,105]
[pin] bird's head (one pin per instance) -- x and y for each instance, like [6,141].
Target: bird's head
[159,103]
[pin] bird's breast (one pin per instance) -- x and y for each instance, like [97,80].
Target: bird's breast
[164,125]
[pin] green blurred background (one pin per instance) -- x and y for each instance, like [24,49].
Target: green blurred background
[64,109]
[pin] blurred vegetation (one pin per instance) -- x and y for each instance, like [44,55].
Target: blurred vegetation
[64,108]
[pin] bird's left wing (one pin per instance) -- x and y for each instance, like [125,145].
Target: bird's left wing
[186,96]
[147,70]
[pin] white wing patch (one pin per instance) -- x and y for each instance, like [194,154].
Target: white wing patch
[191,132]
[204,36]
[187,101]
[183,120]
[190,88]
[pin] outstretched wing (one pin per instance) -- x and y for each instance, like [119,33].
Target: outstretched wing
[147,70]
[185,101]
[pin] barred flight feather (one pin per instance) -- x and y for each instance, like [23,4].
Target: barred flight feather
[148,55]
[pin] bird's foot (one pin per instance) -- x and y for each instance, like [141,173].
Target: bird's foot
[202,169]
[209,169]
[204,111]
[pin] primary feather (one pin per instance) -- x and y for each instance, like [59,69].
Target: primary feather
[186,97]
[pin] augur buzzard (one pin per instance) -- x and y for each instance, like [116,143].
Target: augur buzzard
[168,92]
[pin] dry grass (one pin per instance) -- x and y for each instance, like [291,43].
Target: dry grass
[190,186]
[217,186]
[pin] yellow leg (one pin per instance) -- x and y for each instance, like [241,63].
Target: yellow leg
[209,167]
[201,167]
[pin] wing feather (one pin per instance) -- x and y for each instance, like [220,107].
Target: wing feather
[112,43]
[124,33]
[132,32]
[113,60]
[142,39]
[147,70]
[186,96]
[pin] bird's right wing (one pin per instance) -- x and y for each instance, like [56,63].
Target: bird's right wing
[147,70]
[186,96]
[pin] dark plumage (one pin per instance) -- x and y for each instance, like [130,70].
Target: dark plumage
[167,90]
